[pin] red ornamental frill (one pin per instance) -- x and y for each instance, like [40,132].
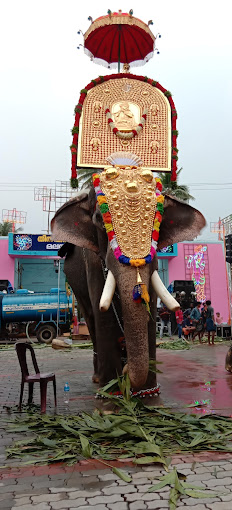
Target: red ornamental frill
[99,80]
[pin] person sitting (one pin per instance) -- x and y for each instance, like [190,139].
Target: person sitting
[219,319]
[187,328]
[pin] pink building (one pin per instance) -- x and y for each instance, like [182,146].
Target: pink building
[7,263]
[204,264]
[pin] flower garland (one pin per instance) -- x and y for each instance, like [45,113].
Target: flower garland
[78,112]
[121,134]
[104,208]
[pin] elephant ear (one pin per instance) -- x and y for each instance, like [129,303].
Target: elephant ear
[72,223]
[180,222]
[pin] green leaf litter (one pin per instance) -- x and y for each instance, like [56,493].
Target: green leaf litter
[141,433]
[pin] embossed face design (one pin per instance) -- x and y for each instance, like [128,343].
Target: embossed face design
[131,197]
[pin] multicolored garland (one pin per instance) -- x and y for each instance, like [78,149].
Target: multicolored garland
[104,208]
[121,134]
[78,112]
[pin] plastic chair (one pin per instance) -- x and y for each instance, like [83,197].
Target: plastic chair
[42,379]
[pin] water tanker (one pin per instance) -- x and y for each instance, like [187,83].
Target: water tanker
[38,309]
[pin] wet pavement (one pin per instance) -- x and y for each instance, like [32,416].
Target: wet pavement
[191,377]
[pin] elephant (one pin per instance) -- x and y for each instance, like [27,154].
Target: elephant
[102,285]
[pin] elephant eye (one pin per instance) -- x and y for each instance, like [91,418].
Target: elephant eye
[111,173]
[147,175]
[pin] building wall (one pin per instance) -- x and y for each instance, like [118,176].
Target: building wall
[6,262]
[213,270]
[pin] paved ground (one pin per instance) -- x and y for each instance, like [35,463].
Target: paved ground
[188,376]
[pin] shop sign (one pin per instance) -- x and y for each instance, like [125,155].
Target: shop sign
[33,244]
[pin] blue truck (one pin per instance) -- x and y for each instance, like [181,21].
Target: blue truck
[36,312]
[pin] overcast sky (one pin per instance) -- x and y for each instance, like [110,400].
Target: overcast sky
[42,73]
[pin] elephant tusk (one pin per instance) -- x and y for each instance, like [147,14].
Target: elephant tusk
[163,293]
[108,292]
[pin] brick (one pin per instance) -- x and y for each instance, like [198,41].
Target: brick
[9,488]
[22,501]
[201,470]
[224,474]
[227,497]
[218,482]
[200,478]
[143,481]
[54,490]
[138,496]
[107,477]
[62,504]
[97,507]
[9,481]
[41,506]
[220,506]
[83,494]
[137,505]
[104,500]
[227,466]
[153,505]
[126,489]
[192,501]
[144,488]
[47,498]
[117,506]
[7,504]
[196,507]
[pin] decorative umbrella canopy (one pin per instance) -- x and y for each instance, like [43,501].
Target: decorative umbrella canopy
[119,38]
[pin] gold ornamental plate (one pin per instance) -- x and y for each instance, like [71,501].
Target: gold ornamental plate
[131,197]
[126,100]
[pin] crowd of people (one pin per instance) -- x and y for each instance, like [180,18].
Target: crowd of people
[193,322]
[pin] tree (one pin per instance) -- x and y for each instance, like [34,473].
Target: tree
[180,191]
[6,227]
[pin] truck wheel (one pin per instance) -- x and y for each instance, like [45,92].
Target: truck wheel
[46,333]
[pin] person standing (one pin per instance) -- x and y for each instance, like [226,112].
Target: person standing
[210,324]
[165,321]
[195,316]
[179,321]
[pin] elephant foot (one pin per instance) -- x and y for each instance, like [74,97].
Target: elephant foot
[95,378]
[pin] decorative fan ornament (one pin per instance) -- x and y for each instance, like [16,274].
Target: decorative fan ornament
[124,159]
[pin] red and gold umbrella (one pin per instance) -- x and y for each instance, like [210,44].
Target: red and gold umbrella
[119,38]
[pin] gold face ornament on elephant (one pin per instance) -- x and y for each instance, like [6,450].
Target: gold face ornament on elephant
[112,233]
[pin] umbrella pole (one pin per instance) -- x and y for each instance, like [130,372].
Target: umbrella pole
[119,47]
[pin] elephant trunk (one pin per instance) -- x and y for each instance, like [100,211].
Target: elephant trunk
[135,320]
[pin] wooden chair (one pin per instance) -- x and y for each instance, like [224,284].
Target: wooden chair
[42,379]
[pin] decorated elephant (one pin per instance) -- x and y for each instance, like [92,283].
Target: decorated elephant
[112,232]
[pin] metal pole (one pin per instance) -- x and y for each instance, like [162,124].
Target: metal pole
[58,304]
[227,278]
[119,47]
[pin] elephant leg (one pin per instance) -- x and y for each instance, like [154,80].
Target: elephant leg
[151,379]
[107,329]
[75,270]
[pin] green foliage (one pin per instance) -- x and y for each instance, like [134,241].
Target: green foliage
[74,130]
[180,191]
[167,93]
[84,91]
[74,182]
[6,227]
